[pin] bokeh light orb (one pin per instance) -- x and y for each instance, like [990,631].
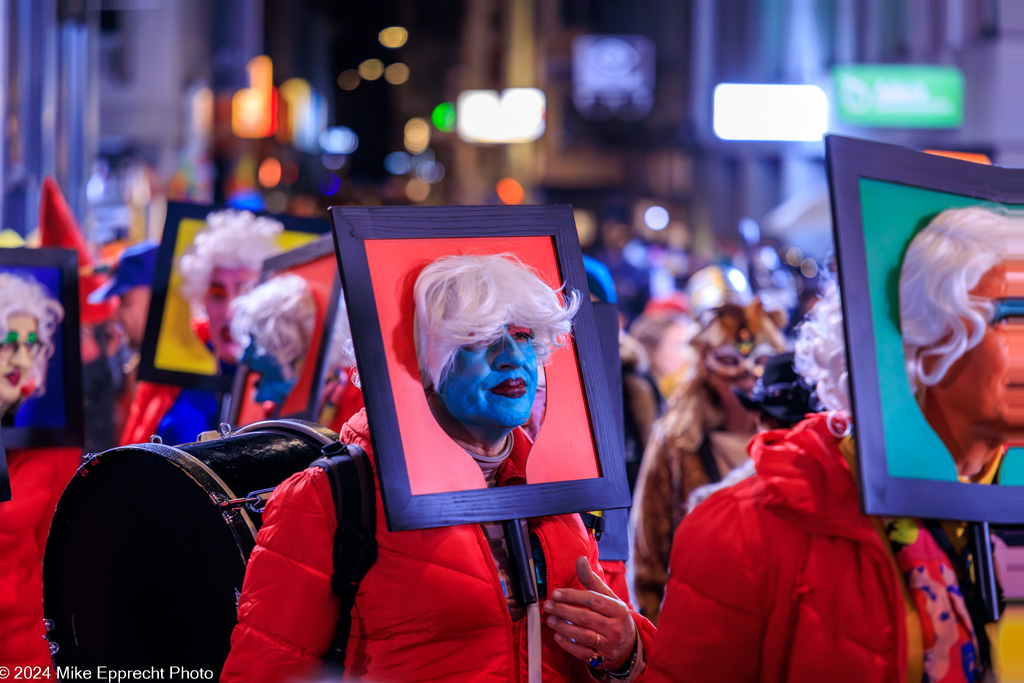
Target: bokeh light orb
[656,217]
[329,184]
[510,191]
[371,69]
[393,36]
[416,190]
[398,163]
[396,74]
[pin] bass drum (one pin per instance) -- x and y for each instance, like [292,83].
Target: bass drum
[148,546]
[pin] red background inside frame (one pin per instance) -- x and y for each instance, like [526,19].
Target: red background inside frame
[564,450]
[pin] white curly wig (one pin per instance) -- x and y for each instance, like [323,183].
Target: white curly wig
[462,300]
[341,353]
[940,320]
[278,315]
[231,239]
[23,295]
[820,352]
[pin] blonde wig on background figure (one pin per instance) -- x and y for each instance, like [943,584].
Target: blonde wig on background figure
[25,296]
[465,300]
[279,316]
[232,239]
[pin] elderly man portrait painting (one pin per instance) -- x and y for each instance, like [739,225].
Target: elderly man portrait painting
[29,316]
[957,339]
[439,603]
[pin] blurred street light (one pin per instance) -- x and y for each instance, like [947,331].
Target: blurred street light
[269,173]
[254,109]
[656,217]
[443,117]
[510,191]
[417,190]
[393,36]
[417,135]
[371,69]
[396,73]
[349,79]
[339,140]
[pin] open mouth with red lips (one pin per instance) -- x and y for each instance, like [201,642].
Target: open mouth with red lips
[14,377]
[511,388]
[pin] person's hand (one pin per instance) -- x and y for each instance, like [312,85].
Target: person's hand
[592,622]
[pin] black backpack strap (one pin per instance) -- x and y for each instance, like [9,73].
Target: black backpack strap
[594,523]
[355,548]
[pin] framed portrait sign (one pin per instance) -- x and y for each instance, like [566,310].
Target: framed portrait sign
[317,265]
[426,479]
[882,197]
[40,357]
[5,476]
[185,331]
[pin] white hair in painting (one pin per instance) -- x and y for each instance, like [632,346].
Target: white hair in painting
[231,239]
[940,319]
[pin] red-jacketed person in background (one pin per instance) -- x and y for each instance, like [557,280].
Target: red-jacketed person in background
[782,577]
[437,605]
[30,315]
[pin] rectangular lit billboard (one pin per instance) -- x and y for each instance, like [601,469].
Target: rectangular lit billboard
[899,95]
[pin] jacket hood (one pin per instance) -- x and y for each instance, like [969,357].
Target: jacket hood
[807,480]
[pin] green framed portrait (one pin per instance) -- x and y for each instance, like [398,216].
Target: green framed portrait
[882,197]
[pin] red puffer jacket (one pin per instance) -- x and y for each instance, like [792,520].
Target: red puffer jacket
[430,609]
[782,578]
[150,404]
[38,477]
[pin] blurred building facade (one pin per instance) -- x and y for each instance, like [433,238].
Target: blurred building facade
[129,102]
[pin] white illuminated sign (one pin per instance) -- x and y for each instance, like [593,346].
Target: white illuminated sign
[770,112]
[516,115]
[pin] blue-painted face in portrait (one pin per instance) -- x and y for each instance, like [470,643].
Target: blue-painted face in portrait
[272,385]
[491,386]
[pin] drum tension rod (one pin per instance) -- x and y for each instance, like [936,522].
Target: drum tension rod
[255,501]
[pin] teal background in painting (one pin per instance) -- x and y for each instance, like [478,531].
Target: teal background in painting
[892,214]
[1012,471]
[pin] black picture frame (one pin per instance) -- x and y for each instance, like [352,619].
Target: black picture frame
[613,545]
[854,165]
[322,247]
[176,213]
[5,476]
[71,434]
[353,226]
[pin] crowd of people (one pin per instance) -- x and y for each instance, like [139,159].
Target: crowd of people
[751,558]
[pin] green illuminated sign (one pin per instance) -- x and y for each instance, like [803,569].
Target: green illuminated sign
[900,96]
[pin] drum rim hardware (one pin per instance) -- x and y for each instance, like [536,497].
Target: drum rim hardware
[251,501]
